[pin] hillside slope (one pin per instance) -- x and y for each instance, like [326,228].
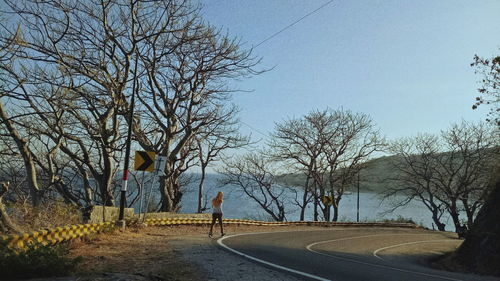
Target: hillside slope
[375,178]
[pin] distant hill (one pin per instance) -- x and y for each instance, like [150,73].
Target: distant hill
[374,178]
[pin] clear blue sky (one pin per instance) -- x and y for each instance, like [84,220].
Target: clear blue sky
[405,63]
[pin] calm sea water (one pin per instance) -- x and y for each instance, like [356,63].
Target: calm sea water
[372,208]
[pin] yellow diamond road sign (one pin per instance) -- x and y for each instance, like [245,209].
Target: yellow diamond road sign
[327,200]
[144,161]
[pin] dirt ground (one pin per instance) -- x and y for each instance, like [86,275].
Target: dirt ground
[168,253]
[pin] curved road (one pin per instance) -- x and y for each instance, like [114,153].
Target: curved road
[345,254]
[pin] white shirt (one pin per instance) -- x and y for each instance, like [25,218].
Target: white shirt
[217,209]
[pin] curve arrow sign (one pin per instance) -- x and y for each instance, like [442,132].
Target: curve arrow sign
[144,161]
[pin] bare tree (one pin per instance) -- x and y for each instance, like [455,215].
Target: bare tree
[327,147]
[449,172]
[299,144]
[350,140]
[78,58]
[218,137]
[463,171]
[73,72]
[415,163]
[75,63]
[255,174]
[185,90]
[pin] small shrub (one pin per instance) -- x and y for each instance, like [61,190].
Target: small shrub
[89,238]
[400,219]
[36,260]
[134,222]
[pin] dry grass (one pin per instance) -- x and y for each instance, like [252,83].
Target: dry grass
[47,215]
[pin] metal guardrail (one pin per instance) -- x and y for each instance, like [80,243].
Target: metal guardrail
[59,234]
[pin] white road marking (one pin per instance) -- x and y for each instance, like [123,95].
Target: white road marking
[375,253]
[266,262]
[309,247]
[364,236]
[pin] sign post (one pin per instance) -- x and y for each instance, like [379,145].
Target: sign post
[158,171]
[143,161]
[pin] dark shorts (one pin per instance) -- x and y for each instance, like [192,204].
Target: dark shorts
[216,216]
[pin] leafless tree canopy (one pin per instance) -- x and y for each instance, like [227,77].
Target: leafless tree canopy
[256,174]
[327,148]
[211,143]
[414,165]
[449,172]
[184,93]
[67,70]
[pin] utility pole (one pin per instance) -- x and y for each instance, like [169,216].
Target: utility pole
[357,214]
[127,149]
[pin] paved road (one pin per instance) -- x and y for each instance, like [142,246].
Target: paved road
[346,254]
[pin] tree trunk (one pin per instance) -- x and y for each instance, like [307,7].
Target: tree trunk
[480,251]
[326,212]
[435,212]
[470,213]
[107,197]
[335,212]
[170,191]
[441,226]
[304,205]
[6,224]
[304,198]
[281,212]
[335,205]
[455,216]
[200,187]
[170,196]
[24,150]
[106,181]
[315,196]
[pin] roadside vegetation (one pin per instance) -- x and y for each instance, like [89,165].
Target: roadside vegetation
[36,260]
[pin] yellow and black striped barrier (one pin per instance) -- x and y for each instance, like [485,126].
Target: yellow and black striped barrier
[59,234]
[193,221]
[55,235]
[188,221]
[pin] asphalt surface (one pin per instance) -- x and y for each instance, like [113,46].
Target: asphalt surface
[347,254]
